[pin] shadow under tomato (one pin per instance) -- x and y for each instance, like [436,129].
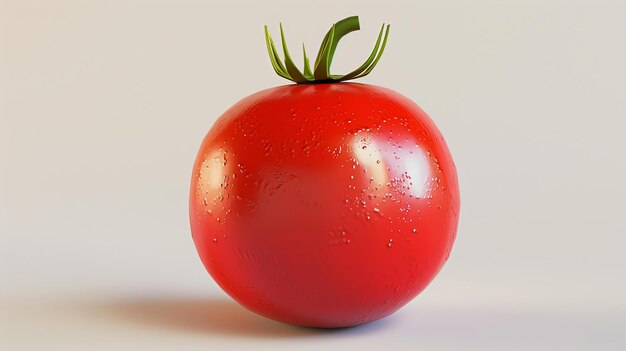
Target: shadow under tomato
[208,316]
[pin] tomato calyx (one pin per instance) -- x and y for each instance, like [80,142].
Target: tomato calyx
[321,70]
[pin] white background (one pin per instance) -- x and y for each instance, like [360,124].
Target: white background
[103,105]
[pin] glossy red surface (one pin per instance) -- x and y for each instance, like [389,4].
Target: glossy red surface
[325,205]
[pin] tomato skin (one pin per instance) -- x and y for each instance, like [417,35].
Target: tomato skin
[324,205]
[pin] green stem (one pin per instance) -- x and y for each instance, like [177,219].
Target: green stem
[321,71]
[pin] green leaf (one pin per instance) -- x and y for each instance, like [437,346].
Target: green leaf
[307,66]
[321,49]
[274,59]
[380,54]
[369,60]
[342,28]
[293,71]
[324,58]
[322,70]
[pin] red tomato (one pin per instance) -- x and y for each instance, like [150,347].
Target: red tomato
[325,205]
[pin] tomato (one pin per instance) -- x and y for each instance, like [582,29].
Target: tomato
[324,205]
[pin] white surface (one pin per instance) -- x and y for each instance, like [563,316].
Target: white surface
[199,324]
[103,106]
